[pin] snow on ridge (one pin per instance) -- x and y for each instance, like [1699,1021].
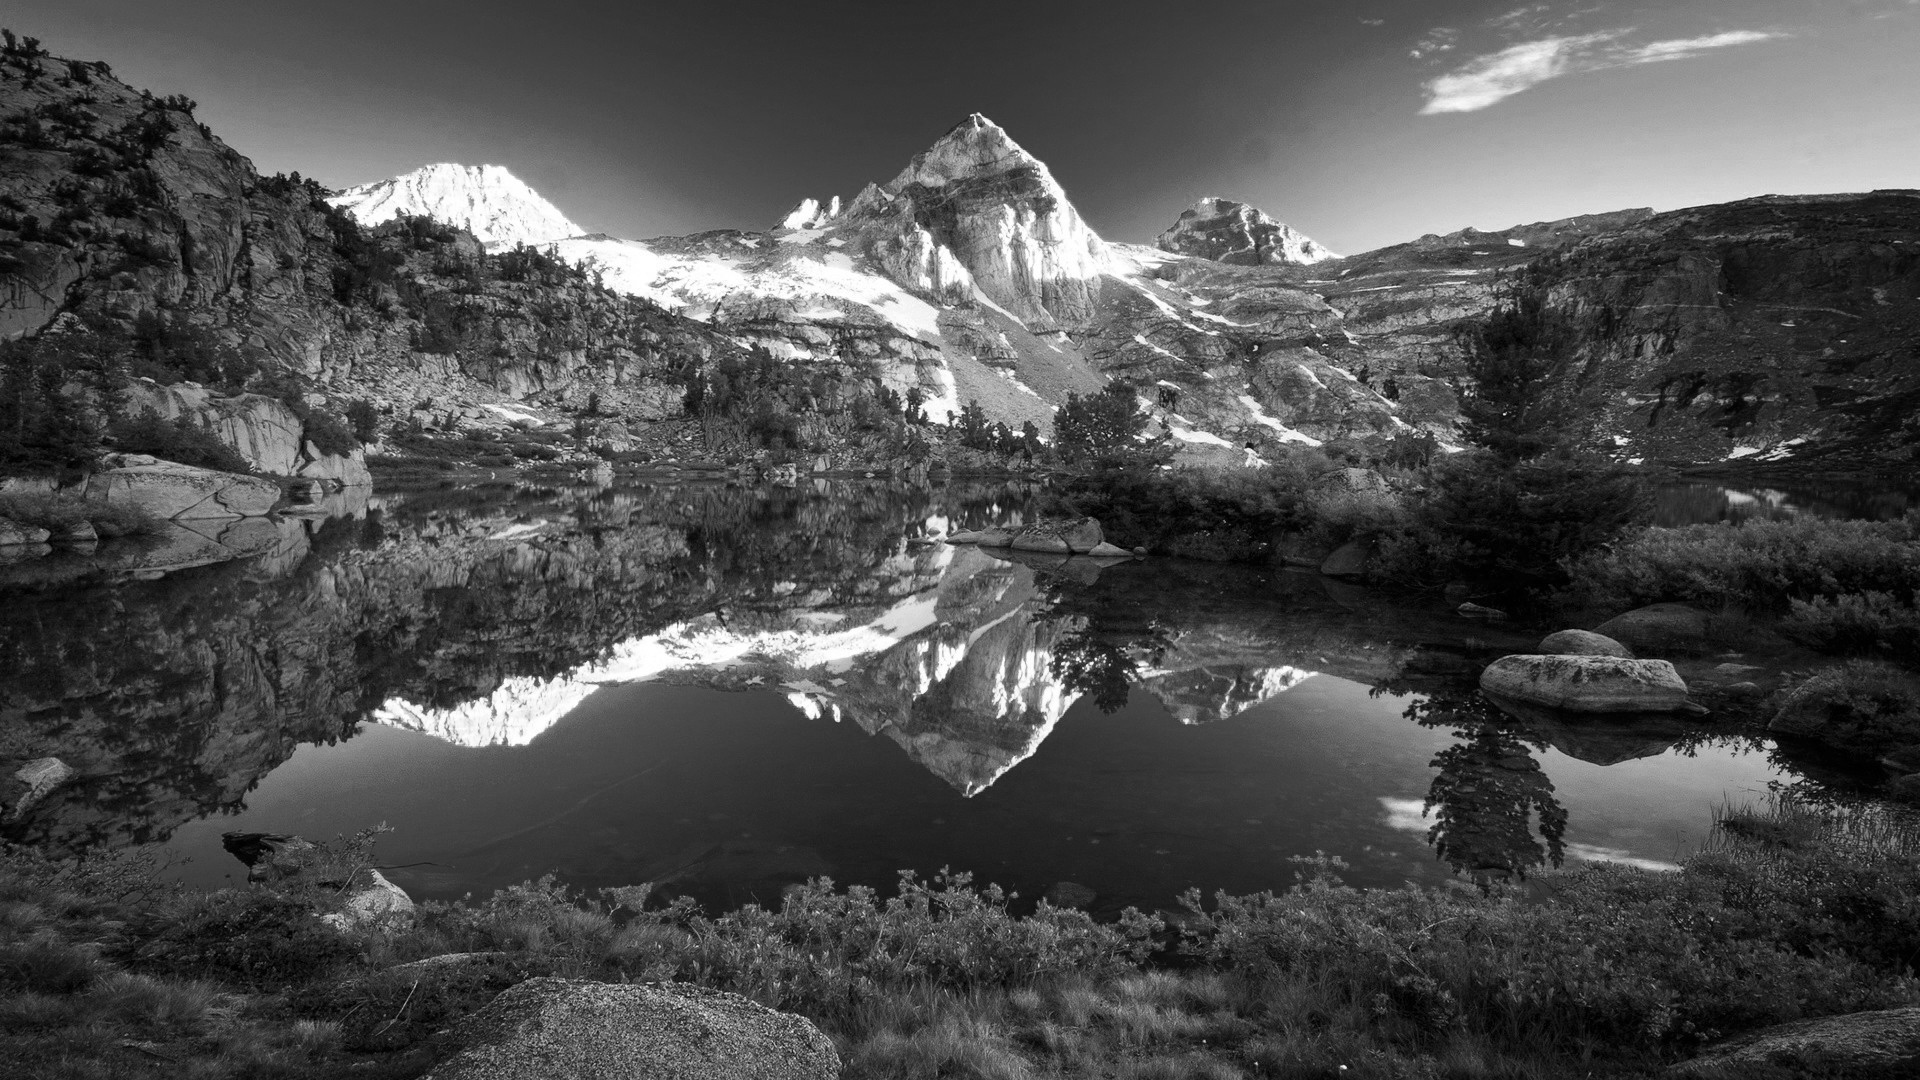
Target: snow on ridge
[486,200]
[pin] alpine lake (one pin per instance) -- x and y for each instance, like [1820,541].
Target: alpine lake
[726,690]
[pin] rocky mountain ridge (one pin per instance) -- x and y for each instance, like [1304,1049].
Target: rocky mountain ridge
[967,277]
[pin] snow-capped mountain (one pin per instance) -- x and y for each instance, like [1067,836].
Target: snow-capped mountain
[971,277]
[486,200]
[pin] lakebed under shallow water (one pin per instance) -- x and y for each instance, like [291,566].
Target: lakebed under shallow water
[727,690]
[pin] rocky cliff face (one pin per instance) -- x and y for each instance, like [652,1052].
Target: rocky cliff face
[485,200]
[1237,234]
[976,212]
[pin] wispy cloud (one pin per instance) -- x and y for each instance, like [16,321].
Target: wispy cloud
[1436,41]
[1486,80]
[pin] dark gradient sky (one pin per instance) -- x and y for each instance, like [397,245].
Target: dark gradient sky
[649,118]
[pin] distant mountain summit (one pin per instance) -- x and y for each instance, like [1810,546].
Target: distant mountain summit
[1231,232]
[486,200]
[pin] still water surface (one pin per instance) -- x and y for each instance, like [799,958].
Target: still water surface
[730,690]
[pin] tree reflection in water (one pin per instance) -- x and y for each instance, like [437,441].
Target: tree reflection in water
[1102,663]
[1490,794]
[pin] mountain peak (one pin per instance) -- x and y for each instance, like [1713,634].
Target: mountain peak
[974,147]
[486,200]
[1233,232]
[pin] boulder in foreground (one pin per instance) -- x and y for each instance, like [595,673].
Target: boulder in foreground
[1592,684]
[544,1029]
[1855,1046]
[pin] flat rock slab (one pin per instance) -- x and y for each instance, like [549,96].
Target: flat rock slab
[546,1029]
[1592,684]
[1855,1046]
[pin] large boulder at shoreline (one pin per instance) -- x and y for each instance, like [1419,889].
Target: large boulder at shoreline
[1853,1046]
[547,1028]
[1590,684]
[168,489]
[1659,628]
[1582,643]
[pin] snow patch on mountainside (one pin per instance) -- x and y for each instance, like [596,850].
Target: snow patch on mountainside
[696,284]
[486,200]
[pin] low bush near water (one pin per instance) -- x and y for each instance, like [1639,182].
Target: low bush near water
[1762,565]
[1793,910]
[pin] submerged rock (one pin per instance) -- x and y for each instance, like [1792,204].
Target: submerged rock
[547,1028]
[1596,684]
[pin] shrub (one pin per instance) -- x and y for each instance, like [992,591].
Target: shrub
[1512,527]
[1869,622]
[1764,565]
[1100,426]
[364,419]
[1217,514]
[1864,706]
[325,430]
[176,440]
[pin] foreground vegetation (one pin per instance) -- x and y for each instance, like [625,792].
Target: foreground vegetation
[1793,911]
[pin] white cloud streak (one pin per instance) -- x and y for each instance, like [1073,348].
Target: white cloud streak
[1487,80]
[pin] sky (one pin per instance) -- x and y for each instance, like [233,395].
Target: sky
[1360,122]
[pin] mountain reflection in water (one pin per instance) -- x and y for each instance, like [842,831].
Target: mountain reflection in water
[496,621]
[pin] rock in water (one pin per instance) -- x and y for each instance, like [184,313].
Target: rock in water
[1658,628]
[1231,232]
[545,1029]
[1884,1043]
[1582,643]
[1078,537]
[12,532]
[1594,684]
